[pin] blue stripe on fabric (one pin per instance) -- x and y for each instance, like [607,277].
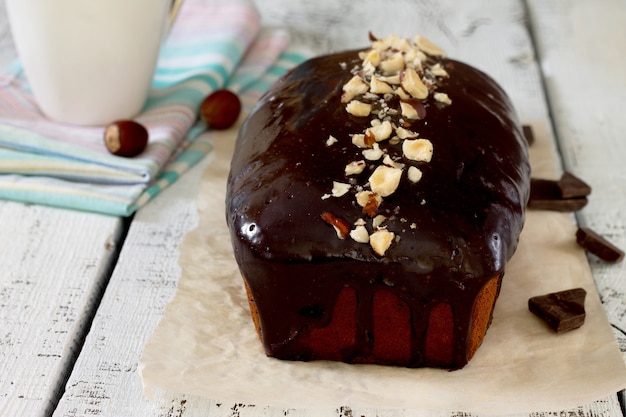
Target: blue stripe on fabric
[76,202]
[202,76]
[185,75]
[232,51]
[185,95]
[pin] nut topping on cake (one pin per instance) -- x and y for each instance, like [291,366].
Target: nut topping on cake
[412,84]
[341,226]
[385,180]
[331,140]
[359,108]
[395,82]
[414,174]
[356,86]
[442,98]
[380,241]
[355,168]
[428,47]
[420,150]
[360,234]
[340,188]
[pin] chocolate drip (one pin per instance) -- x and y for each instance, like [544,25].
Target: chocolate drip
[457,227]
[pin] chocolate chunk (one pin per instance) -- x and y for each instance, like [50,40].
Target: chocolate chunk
[562,311]
[598,245]
[571,186]
[547,195]
[528,134]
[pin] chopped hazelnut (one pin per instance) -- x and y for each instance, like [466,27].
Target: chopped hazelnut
[428,47]
[405,133]
[381,240]
[382,44]
[359,140]
[393,64]
[358,108]
[411,59]
[380,131]
[340,188]
[438,70]
[342,228]
[353,88]
[391,79]
[420,150]
[373,57]
[391,163]
[360,222]
[369,139]
[355,168]
[409,111]
[380,87]
[331,140]
[373,154]
[368,69]
[412,84]
[360,234]
[414,174]
[385,180]
[398,43]
[378,221]
[402,94]
[442,98]
[370,202]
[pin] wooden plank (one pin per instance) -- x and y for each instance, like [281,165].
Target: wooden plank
[491,35]
[54,267]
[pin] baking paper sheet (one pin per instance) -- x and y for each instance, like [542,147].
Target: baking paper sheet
[206,343]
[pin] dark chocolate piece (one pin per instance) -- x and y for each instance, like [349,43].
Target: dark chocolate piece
[546,195]
[528,134]
[598,245]
[570,186]
[562,311]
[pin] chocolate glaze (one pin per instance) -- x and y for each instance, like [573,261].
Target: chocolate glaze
[468,209]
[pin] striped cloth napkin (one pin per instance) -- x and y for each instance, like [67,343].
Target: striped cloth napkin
[212,45]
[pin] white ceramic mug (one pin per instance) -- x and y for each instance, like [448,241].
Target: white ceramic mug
[89,62]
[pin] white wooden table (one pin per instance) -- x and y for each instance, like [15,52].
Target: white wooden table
[80,293]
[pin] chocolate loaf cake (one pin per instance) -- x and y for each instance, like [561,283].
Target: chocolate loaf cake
[374,200]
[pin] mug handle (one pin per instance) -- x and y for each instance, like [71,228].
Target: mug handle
[174,12]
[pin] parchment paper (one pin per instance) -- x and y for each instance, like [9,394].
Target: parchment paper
[206,344]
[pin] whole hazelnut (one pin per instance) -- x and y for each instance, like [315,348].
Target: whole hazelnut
[125,138]
[220,109]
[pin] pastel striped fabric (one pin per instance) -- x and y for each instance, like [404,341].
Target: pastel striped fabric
[211,45]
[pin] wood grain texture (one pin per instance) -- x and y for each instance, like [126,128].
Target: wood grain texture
[581,46]
[54,271]
[49,290]
[105,381]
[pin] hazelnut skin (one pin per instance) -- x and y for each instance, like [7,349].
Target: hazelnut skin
[125,138]
[220,109]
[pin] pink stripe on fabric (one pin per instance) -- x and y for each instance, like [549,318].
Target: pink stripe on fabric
[17,103]
[206,19]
